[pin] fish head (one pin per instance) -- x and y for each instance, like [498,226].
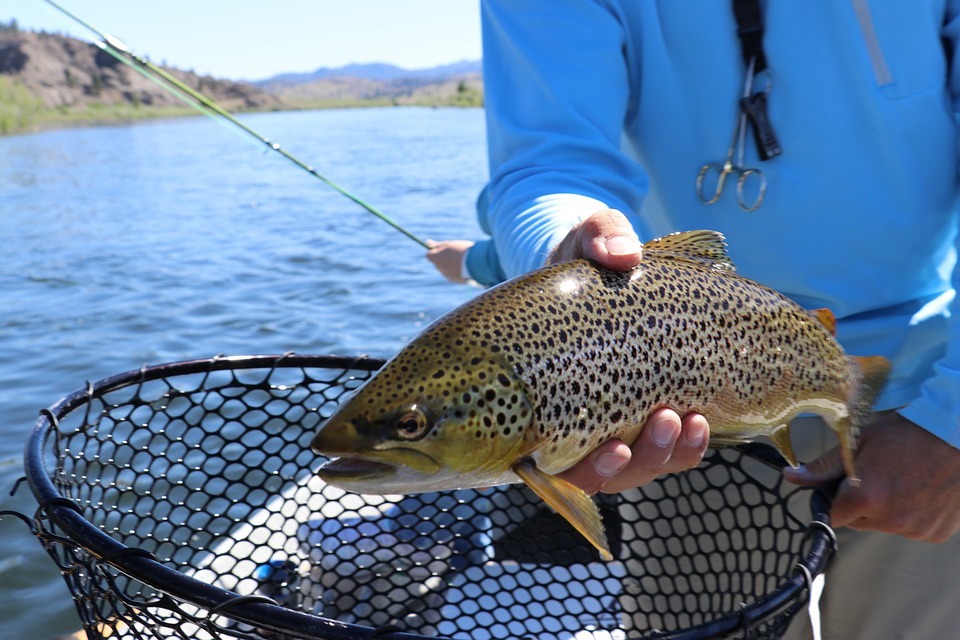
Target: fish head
[430,420]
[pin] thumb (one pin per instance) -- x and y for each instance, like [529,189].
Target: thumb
[605,237]
[827,467]
[608,238]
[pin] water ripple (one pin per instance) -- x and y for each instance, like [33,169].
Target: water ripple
[173,240]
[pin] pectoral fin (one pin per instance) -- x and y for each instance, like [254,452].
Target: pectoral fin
[569,501]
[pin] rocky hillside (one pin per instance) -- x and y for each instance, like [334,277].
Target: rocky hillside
[68,74]
[50,80]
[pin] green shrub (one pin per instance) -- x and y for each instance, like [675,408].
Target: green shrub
[19,109]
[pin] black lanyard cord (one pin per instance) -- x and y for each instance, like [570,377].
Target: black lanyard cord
[749,16]
[750,31]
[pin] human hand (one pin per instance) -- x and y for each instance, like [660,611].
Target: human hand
[605,237]
[910,482]
[667,444]
[447,256]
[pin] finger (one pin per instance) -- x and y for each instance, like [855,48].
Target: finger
[826,468]
[853,512]
[605,237]
[691,446]
[650,453]
[872,508]
[608,238]
[594,471]
[847,509]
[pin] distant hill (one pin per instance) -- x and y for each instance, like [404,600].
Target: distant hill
[65,73]
[459,83]
[49,79]
[373,71]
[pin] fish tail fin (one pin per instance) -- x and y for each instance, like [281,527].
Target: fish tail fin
[873,372]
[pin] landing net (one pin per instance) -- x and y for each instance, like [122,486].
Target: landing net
[181,501]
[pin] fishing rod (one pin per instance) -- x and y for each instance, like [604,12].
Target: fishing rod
[119,50]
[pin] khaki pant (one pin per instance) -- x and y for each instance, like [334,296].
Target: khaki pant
[881,586]
[877,586]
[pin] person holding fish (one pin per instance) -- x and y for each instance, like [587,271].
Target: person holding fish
[609,123]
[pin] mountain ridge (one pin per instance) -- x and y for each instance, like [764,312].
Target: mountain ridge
[372,71]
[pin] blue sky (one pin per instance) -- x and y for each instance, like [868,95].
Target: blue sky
[254,39]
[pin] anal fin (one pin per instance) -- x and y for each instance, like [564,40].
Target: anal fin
[781,438]
[569,501]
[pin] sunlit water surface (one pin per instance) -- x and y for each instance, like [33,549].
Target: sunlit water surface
[173,240]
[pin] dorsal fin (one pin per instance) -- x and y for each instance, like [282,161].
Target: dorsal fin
[825,317]
[703,247]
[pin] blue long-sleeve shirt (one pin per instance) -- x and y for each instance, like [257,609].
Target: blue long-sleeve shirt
[603,103]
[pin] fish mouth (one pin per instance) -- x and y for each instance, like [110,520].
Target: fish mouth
[355,469]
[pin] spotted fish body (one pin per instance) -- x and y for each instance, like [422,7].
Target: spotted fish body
[526,379]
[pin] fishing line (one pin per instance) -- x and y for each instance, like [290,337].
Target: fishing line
[205,105]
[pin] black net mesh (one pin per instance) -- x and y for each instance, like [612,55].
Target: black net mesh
[181,501]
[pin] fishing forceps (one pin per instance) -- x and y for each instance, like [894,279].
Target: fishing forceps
[737,146]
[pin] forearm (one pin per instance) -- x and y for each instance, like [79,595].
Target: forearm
[556,102]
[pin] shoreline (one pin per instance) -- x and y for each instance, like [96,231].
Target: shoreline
[47,121]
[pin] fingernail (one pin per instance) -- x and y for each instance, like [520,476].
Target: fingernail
[663,433]
[796,472]
[696,434]
[607,464]
[622,245]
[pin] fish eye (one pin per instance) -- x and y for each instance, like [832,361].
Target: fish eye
[412,424]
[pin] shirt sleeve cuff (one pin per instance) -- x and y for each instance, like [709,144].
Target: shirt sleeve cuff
[945,427]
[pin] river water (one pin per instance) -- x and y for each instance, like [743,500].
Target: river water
[176,239]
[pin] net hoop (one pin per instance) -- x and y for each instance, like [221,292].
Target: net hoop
[60,520]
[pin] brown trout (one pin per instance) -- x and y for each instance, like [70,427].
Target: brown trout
[526,379]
